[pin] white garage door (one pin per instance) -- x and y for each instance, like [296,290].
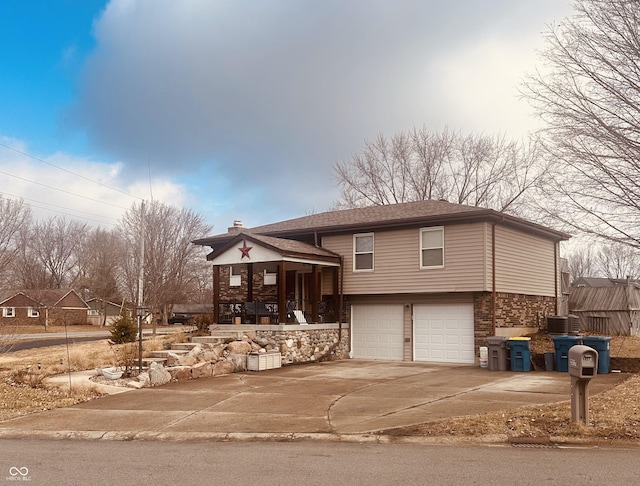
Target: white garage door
[443,332]
[378,331]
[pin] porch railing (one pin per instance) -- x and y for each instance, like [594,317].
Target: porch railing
[266,312]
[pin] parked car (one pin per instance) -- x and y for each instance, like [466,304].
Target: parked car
[179,319]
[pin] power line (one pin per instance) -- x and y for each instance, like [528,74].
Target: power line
[75,216]
[62,190]
[69,171]
[61,207]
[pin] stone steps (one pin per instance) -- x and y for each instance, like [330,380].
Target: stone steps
[163,353]
[152,359]
[213,339]
[183,346]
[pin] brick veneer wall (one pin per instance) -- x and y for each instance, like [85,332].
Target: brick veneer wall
[239,294]
[512,310]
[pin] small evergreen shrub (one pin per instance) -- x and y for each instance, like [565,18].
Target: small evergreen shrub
[125,330]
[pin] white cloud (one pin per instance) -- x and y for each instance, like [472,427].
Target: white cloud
[63,184]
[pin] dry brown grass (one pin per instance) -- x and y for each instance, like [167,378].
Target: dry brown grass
[614,415]
[22,374]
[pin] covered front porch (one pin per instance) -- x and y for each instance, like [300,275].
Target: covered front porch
[259,280]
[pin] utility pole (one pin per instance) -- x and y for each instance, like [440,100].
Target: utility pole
[139,307]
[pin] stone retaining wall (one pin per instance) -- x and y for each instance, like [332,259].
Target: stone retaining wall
[305,345]
[297,344]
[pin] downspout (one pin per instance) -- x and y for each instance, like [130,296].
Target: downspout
[555,275]
[494,303]
[340,304]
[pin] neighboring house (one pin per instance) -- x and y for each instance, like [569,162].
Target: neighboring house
[606,306]
[601,282]
[423,281]
[43,307]
[18,309]
[103,313]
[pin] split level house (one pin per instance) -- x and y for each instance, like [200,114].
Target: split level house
[418,281]
[44,307]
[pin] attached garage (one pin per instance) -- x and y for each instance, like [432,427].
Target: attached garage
[378,331]
[443,333]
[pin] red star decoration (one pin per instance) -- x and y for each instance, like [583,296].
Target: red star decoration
[245,250]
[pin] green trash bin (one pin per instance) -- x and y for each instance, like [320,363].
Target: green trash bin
[602,345]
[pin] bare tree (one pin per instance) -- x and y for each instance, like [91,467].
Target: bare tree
[55,245]
[416,165]
[171,262]
[618,260]
[582,262]
[99,264]
[588,95]
[15,216]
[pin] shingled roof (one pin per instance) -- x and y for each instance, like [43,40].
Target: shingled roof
[387,216]
[287,248]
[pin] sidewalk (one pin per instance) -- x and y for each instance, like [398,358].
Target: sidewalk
[335,399]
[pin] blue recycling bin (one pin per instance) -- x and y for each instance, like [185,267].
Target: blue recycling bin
[602,345]
[520,353]
[561,345]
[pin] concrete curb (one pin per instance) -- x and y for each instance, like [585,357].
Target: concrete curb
[497,440]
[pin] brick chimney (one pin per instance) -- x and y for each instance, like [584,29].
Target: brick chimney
[236,228]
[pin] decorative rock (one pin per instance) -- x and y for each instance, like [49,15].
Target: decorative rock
[223,368]
[172,359]
[209,355]
[187,360]
[179,373]
[261,341]
[201,370]
[135,384]
[239,362]
[239,347]
[158,375]
[196,350]
[289,343]
[144,378]
[255,347]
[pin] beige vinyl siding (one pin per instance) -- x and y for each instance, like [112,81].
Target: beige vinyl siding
[524,263]
[397,262]
[327,280]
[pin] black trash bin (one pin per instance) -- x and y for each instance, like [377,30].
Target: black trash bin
[498,353]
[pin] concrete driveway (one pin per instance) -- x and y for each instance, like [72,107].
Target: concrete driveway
[342,397]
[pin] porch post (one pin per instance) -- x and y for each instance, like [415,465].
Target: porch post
[282,292]
[336,293]
[314,293]
[216,294]
[250,282]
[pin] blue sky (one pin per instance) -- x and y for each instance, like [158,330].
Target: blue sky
[240,109]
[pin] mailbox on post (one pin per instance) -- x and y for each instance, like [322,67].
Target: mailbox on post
[583,366]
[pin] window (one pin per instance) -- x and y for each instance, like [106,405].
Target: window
[432,247]
[8,312]
[235,279]
[363,252]
[31,312]
[269,278]
[93,312]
